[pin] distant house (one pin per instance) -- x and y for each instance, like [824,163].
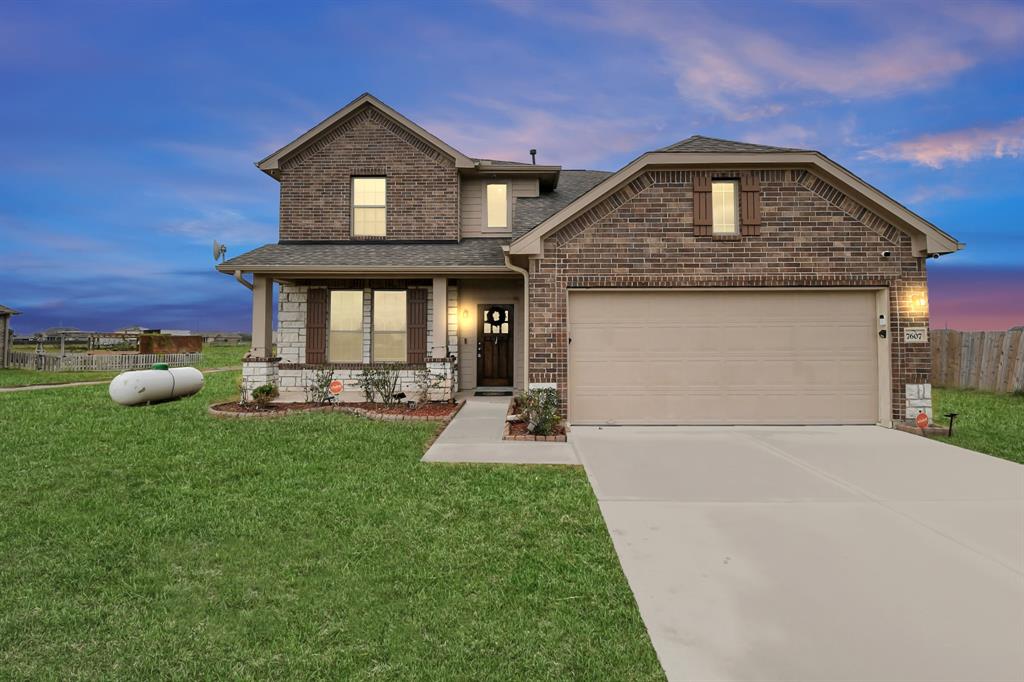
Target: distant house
[5,333]
[223,337]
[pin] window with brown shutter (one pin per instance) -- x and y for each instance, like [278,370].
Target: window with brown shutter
[416,326]
[701,205]
[750,204]
[316,326]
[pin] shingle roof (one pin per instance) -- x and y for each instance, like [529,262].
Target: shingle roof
[531,211]
[331,255]
[699,143]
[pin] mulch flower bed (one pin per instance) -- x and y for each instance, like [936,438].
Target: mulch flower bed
[442,412]
[520,431]
[930,431]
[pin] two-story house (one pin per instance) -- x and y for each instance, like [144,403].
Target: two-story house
[706,282]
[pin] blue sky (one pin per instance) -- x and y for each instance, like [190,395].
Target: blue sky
[130,129]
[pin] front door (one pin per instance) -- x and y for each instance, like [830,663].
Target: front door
[494,345]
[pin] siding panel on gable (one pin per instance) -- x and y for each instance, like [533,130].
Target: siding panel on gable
[472,203]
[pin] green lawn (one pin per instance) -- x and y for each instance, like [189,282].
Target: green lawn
[223,356]
[159,542]
[987,422]
[213,356]
[30,377]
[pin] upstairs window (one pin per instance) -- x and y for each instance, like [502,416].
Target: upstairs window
[389,326]
[346,340]
[725,202]
[369,207]
[497,205]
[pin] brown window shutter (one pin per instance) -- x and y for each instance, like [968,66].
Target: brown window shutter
[316,326]
[750,204]
[416,326]
[701,204]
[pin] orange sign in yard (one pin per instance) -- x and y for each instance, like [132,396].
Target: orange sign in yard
[336,387]
[922,420]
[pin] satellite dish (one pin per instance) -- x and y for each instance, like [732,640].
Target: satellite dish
[219,250]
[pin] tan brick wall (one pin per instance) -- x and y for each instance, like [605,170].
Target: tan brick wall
[812,236]
[316,183]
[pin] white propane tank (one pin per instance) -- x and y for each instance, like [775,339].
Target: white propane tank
[150,385]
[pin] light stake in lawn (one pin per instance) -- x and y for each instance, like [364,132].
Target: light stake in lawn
[951,417]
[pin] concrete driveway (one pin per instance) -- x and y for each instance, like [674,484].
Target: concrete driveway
[816,553]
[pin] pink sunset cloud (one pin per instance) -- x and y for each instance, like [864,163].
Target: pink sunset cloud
[958,146]
[743,71]
[572,139]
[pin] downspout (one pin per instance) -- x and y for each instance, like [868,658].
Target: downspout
[526,315]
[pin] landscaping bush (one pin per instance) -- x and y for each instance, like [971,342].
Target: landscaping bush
[318,389]
[426,381]
[538,407]
[379,384]
[263,395]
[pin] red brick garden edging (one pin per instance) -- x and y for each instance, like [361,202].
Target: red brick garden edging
[369,414]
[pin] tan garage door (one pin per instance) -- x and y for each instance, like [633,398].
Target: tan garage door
[723,357]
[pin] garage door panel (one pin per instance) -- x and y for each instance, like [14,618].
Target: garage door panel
[742,357]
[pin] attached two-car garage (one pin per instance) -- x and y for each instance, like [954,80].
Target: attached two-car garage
[726,357]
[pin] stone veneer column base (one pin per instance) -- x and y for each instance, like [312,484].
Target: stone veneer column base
[257,372]
[919,399]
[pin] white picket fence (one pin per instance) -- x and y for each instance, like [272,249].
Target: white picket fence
[79,362]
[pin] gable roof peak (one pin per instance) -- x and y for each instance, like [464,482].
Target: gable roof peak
[271,163]
[704,144]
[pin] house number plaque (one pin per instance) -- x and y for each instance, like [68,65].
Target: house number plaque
[915,335]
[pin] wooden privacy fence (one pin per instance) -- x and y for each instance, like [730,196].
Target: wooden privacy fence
[52,362]
[986,361]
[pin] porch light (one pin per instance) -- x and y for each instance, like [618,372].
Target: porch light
[465,315]
[918,302]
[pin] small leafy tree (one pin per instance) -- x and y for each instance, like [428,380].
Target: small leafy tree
[426,381]
[538,407]
[243,392]
[318,388]
[263,395]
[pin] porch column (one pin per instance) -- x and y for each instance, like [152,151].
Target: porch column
[262,316]
[440,313]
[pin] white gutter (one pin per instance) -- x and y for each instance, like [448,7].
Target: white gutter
[312,270]
[526,315]
[238,276]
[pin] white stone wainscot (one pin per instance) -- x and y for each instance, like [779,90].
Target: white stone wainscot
[919,399]
[293,381]
[259,372]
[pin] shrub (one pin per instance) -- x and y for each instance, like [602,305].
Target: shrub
[262,395]
[538,407]
[426,381]
[318,389]
[379,382]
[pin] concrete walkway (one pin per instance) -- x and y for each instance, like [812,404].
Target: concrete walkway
[474,435]
[816,553]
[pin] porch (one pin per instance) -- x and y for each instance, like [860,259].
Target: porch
[468,331]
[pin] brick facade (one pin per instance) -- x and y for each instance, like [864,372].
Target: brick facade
[316,182]
[812,235]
